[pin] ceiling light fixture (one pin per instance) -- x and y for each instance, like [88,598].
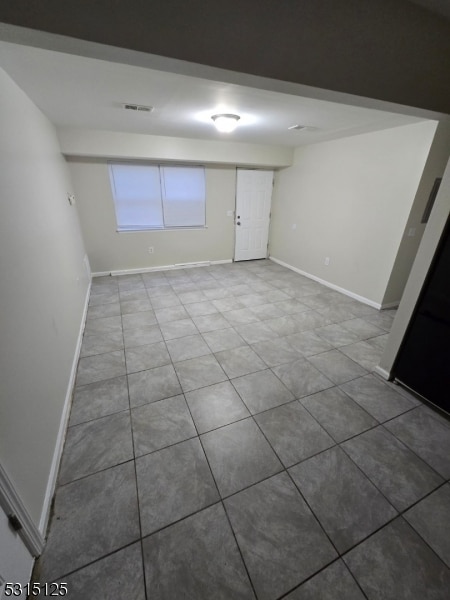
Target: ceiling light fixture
[225,123]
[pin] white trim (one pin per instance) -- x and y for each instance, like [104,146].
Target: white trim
[12,504]
[328,284]
[388,305]
[382,373]
[51,484]
[191,265]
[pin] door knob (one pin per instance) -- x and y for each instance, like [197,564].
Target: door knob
[238,223]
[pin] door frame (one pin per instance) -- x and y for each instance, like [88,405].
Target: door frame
[12,504]
[235,211]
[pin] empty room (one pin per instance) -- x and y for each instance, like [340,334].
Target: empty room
[224,330]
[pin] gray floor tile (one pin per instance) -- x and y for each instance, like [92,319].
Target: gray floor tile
[119,576]
[101,366]
[141,358]
[340,416]
[228,303]
[275,296]
[241,289]
[161,424]
[337,335]
[101,343]
[134,306]
[239,456]
[152,385]
[365,354]
[165,301]
[217,293]
[290,307]
[308,343]
[267,311]
[253,299]
[336,313]
[239,361]
[139,319]
[430,518]
[156,291]
[337,367]
[401,475]
[103,325]
[178,329]
[210,323]
[377,398]
[141,336]
[199,309]
[310,319]
[256,332]
[172,313]
[103,297]
[347,504]
[277,352]
[96,445]
[191,297]
[302,378]
[191,346]
[293,433]
[103,310]
[172,484]
[99,399]
[395,563]
[275,531]
[426,436]
[199,372]
[92,517]
[241,316]
[131,295]
[224,339]
[364,329]
[215,406]
[196,558]
[333,583]
[262,390]
[382,319]
[283,326]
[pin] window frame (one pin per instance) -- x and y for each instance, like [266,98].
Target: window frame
[159,166]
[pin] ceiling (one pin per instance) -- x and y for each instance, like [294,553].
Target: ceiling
[82,92]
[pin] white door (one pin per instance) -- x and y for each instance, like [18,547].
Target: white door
[16,561]
[253,201]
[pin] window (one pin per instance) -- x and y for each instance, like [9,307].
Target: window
[157,197]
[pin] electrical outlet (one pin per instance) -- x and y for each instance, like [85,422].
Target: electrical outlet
[151,249]
[327,261]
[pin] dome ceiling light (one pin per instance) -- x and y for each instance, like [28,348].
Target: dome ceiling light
[225,123]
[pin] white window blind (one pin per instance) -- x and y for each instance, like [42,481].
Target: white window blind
[157,197]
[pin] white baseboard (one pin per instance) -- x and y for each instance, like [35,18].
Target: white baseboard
[387,305]
[12,504]
[51,485]
[328,284]
[382,373]
[173,267]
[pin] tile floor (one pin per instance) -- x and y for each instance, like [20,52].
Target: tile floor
[228,440]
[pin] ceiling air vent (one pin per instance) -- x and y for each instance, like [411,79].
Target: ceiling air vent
[297,127]
[138,107]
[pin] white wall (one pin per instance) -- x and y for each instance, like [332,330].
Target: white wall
[42,295]
[434,167]
[427,249]
[349,200]
[109,250]
[113,144]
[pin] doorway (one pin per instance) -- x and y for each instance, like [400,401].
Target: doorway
[253,204]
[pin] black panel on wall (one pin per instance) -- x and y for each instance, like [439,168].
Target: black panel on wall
[423,363]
